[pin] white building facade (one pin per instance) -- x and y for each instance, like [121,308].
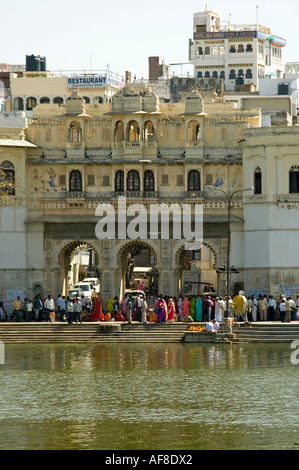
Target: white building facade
[240,54]
[271,214]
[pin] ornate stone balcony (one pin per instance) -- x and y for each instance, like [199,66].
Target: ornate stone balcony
[90,200]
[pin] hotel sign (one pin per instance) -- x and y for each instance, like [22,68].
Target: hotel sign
[239,35]
[226,35]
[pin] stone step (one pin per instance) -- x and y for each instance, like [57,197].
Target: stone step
[44,332]
[275,332]
[265,332]
[98,339]
[118,332]
[278,339]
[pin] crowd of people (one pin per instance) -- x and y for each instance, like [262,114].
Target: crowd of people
[38,309]
[164,309]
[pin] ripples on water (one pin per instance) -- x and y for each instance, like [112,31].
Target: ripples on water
[152,397]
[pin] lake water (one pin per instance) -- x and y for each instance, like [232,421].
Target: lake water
[143,396]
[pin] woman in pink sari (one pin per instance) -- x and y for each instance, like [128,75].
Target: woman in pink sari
[171,310]
[186,307]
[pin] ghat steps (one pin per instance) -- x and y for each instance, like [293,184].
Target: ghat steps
[91,332]
[114,332]
[266,332]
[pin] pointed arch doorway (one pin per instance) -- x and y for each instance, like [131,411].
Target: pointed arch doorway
[196,271]
[138,262]
[78,260]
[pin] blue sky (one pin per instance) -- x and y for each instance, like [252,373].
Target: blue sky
[78,35]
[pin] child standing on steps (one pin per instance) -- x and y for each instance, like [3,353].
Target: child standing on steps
[52,317]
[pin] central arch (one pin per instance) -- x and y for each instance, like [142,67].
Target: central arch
[145,258]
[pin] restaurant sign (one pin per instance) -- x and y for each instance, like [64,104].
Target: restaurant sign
[93,82]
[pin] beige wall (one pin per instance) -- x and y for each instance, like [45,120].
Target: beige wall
[171,154]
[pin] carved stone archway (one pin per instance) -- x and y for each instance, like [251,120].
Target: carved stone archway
[131,247]
[184,260]
[63,261]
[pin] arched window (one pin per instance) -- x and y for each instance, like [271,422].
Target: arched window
[294,179]
[207,50]
[75,132]
[86,99]
[257,181]
[194,180]
[215,74]
[222,74]
[119,131]
[133,132]
[44,100]
[248,73]
[119,181]
[240,77]
[97,100]
[240,48]
[149,131]
[199,74]
[193,131]
[75,181]
[232,74]
[18,104]
[58,100]
[149,181]
[133,181]
[7,179]
[249,48]
[30,103]
[207,74]
[232,48]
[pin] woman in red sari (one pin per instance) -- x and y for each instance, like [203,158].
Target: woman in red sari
[97,313]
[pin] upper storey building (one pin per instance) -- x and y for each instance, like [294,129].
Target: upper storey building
[239,54]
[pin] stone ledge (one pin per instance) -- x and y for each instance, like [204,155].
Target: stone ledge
[206,337]
[110,327]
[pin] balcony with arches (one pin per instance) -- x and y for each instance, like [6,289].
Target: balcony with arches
[134,139]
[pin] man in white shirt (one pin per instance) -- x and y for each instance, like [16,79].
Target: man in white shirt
[221,309]
[143,310]
[293,308]
[210,326]
[271,308]
[29,310]
[49,306]
[61,307]
[139,304]
[77,310]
